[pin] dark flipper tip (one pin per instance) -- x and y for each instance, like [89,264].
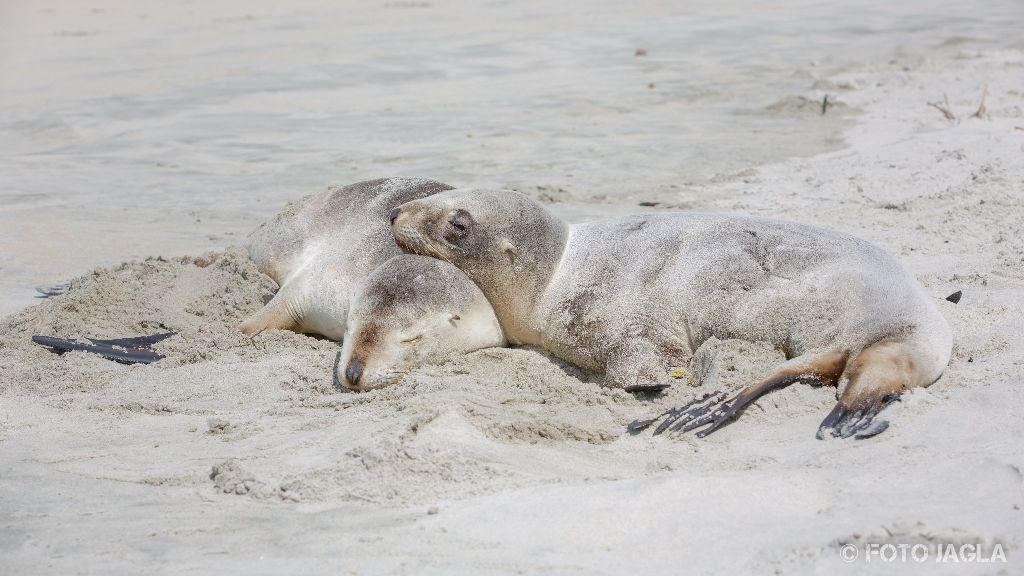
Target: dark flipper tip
[872,428]
[859,424]
[829,423]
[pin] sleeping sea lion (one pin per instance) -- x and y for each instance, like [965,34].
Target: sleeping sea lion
[342,276]
[632,296]
[321,248]
[411,311]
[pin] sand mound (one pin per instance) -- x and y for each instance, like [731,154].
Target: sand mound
[266,420]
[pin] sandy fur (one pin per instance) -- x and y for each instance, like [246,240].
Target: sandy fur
[321,249]
[143,129]
[411,311]
[634,296]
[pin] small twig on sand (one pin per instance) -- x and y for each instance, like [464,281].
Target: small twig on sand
[981,113]
[944,108]
[824,105]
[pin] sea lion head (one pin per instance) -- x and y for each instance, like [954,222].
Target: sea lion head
[500,238]
[412,311]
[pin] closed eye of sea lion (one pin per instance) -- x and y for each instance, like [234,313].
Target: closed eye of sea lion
[634,295]
[412,311]
[321,248]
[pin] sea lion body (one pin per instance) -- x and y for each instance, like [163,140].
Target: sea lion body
[676,280]
[341,275]
[320,249]
[635,295]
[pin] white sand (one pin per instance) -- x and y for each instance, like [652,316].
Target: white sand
[133,132]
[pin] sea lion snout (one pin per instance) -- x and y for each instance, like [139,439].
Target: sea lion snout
[410,229]
[354,372]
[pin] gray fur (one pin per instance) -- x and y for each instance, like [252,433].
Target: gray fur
[342,276]
[320,249]
[414,310]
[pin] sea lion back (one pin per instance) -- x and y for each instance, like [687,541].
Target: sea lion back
[355,214]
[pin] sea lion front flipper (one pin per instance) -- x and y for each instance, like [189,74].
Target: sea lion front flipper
[280,313]
[860,423]
[314,302]
[878,375]
[823,368]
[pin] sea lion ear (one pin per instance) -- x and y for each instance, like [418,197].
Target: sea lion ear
[509,250]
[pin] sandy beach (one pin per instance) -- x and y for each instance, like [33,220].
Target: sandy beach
[139,140]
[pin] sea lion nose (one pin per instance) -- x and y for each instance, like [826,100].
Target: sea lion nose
[393,215]
[354,371]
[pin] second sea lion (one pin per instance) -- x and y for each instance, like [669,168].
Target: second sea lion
[632,296]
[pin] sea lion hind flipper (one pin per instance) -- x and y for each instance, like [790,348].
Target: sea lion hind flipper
[822,368]
[718,415]
[714,410]
[680,415]
[878,375]
[677,418]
